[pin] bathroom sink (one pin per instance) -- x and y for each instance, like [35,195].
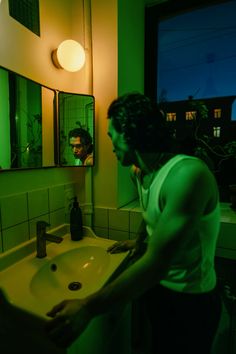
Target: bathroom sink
[71,269]
[72,273]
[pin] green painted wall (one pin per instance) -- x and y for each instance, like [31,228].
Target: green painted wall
[130,73]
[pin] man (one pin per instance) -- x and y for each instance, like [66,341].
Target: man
[80,142]
[174,276]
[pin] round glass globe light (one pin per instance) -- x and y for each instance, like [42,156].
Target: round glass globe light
[71,55]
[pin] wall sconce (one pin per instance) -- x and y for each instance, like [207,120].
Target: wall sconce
[70,56]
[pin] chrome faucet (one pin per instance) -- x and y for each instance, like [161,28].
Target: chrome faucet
[42,236]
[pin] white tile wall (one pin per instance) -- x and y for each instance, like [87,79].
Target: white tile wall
[118,235]
[101,232]
[49,205]
[9,235]
[56,197]
[14,210]
[118,219]
[116,224]
[32,224]
[20,212]
[57,217]
[38,203]
[100,217]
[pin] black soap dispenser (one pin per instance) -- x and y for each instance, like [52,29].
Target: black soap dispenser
[76,225]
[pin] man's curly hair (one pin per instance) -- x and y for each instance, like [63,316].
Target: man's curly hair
[84,135]
[142,122]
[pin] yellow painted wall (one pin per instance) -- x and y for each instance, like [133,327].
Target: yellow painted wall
[118,35]
[29,55]
[117,49]
[105,65]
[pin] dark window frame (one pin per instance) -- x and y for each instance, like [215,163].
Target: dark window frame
[26,12]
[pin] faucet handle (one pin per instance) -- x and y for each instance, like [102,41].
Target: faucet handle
[42,225]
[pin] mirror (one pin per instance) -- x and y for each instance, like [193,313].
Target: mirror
[76,128]
[27,123]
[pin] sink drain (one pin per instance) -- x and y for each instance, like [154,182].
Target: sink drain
[53,267]
[74,285]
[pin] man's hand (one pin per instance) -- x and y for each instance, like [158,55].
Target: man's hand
[122,246]
[136,248]
[70,319]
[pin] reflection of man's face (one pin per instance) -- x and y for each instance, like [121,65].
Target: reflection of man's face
[79,149]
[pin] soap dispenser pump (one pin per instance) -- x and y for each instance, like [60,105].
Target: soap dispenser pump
[76,225]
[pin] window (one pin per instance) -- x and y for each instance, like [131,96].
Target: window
[217,113]
[191,115]
[170,117]
[189,49]
[190,52]
[216,132]
[27,13]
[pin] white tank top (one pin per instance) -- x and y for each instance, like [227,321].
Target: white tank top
[192,268]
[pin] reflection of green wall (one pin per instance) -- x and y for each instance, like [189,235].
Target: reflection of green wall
[130,73]
[5,151]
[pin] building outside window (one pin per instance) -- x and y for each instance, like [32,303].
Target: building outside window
[190,115]
[216,132]
[171,117]
[217,113]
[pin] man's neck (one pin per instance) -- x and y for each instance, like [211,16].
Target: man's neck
[149,162]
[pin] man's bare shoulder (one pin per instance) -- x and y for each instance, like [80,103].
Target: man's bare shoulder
[190,179]
[190,168]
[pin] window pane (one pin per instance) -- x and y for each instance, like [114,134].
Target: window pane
[197,53]
[27,13]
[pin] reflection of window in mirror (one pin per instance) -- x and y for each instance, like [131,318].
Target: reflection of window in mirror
[25,122]
[21,118]
[76,124]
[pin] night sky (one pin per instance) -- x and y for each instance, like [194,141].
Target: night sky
[197,54]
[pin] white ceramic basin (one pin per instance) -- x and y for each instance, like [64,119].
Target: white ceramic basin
[72,269]
[75,272]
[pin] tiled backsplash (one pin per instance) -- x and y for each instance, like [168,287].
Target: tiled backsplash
[116,224]
[20,212]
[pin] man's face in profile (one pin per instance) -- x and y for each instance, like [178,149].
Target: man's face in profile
[78,148]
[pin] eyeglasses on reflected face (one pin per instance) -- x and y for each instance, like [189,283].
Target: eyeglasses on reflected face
[76,146]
